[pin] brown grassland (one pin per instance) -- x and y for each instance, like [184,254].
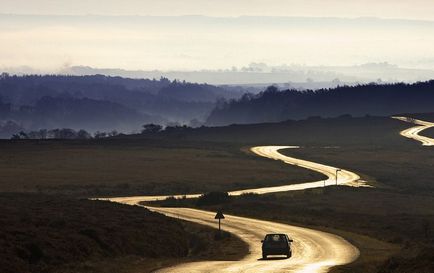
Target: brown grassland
[41,233]
[130,167]
[428,132]
[392,223]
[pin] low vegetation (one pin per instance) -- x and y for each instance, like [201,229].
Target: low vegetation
[392,224]
[58,234]
[401,223]
[406,168]
[428,132]
[314,131]
[131,167]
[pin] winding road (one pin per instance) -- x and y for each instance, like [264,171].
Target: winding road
[413,132]
[313,251]
[344,177]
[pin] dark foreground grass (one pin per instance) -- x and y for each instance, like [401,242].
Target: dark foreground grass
[58,234]
[119,167]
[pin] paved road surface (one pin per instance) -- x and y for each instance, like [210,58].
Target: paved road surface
[313,251]
[345,177]
[413,132]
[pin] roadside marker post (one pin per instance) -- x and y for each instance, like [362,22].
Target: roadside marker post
[336,177]
[219,216]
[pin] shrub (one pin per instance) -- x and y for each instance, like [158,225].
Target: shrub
[212,198]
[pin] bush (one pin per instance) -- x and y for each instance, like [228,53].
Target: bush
[212,198]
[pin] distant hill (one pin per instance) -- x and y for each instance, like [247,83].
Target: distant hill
[57,112]
[260,73]
[194,92]
[99,102]
[273,105]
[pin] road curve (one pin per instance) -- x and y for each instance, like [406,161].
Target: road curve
[344,177]
[413,132]
[313,251]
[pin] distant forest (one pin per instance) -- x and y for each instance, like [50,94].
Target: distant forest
[105,104]
[273,105]
[101,103]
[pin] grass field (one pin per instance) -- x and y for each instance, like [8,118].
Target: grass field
[311,132]
[391,224]
[185,162]
[381,223]
[406,168]
[41,233]
[395,218]
[119,167]
[428,132]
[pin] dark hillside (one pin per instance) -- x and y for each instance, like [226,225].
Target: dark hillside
[88,114]
[344,130]
[422,116]
[27,89]
[373,99]
[117,103]
[196,92]
[69,112]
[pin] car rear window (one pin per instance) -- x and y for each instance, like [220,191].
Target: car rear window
[275,238]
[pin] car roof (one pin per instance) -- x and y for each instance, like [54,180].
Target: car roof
[272,234]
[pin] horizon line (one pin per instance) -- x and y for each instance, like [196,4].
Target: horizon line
[222,17]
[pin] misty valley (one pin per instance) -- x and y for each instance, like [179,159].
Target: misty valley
[211,136]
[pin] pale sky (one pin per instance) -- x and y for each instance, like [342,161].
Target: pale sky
[408,9]
[192,43]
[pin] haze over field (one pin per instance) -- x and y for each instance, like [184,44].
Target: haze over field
[327,37]
[417,9]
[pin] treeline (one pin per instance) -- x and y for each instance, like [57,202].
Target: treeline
[150,129]
[274,105]
[65,133]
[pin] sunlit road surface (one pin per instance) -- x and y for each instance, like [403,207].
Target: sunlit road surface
[313,251]
[413,132]
[344,177]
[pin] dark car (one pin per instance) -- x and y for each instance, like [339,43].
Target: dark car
[276,244]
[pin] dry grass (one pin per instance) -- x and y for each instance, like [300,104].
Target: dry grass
[408,168]
[125,167]
[44,233]
[57,234]
[428,132]
[378,222]
[399,212]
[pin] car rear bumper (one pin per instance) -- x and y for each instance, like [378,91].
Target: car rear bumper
[276,251]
